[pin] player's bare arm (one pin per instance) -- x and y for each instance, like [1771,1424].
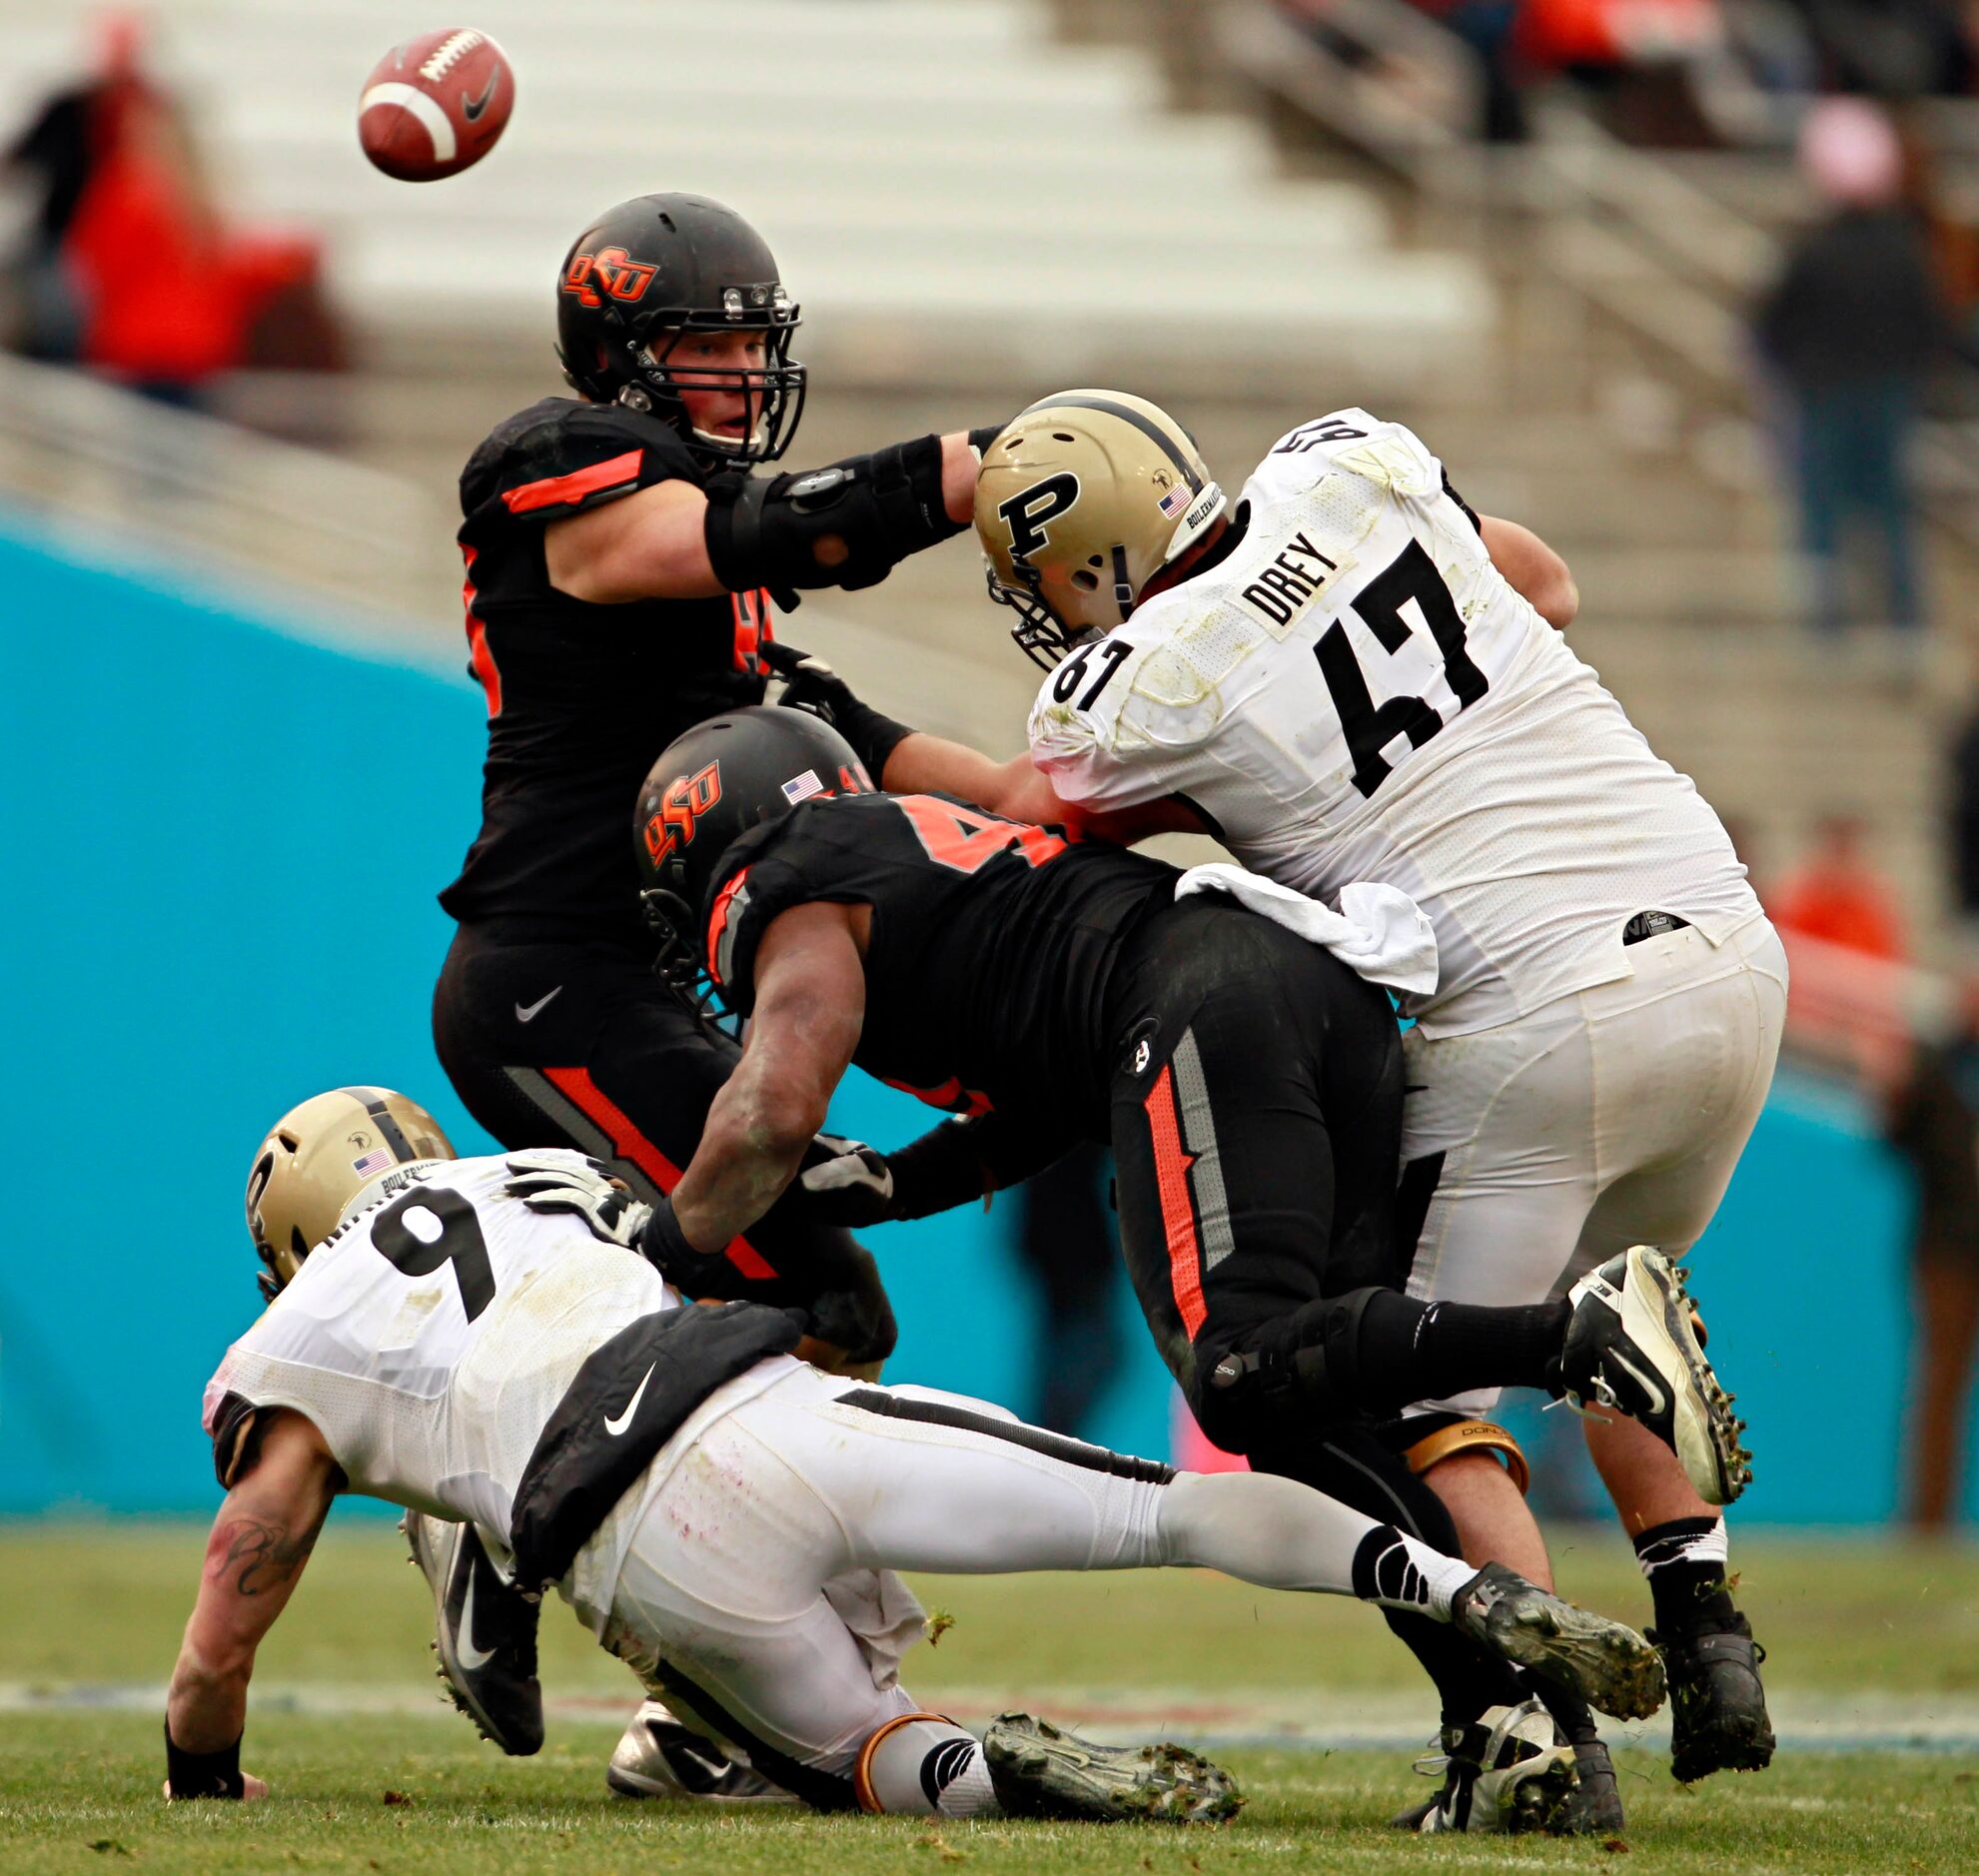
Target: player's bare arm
[924,764]
[654,544]
[810,1004]
[260,1540]
[1536,573]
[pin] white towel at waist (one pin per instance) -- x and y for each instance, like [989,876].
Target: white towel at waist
[1379,932]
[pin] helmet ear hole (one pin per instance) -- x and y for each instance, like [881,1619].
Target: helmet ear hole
[1086,580]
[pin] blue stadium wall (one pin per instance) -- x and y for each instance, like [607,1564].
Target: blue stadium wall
[223,847]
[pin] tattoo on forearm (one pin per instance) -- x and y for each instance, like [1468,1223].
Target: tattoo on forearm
[265,1555]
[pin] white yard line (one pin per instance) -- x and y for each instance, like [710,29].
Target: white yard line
[1858,1720]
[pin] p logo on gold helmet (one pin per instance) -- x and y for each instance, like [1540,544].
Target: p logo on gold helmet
[1081,501]
[318,1158]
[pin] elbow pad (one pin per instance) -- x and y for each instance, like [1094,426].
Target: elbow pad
[846,526]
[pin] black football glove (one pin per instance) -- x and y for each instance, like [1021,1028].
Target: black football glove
[810,683]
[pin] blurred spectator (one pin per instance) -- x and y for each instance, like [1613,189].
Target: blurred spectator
[1066,1235]
[1835,895]
[1850,330]
[1891,48]
[1932,1120]
[127,266]
[1965,819]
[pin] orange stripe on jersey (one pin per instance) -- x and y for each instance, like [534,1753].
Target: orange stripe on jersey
[567,490]
[478,655]
[951,1097]
[577,1086]
[718,922]
[1178,1207]
[753,628]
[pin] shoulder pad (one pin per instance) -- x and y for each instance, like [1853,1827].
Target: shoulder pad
[562,455]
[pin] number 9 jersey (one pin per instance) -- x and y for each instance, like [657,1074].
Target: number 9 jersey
[1353,691]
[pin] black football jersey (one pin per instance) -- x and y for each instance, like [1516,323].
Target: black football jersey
[582,699]
[991,944]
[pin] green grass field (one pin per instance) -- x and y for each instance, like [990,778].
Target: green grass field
[1875,1671]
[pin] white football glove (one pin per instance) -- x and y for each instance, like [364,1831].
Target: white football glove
[553,1178]
[849,1182]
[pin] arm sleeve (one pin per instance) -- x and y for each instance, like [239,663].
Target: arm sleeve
[962,1161]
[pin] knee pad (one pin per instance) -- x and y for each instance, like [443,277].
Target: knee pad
[1305,1362]
[1449,1434]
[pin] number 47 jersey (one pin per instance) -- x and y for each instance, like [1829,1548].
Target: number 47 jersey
[1354,692]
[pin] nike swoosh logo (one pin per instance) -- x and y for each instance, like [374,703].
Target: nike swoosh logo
[471,1659]
[618,1426]
[472,108]
[530,1013]
[1658,1400]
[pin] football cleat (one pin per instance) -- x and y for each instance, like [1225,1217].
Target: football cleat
[488,1635]
[1632,1345]
[1606,1664]
[1593,1806]
[657,1757]
[1038,1770]
[1718,1719]
[1509,1771]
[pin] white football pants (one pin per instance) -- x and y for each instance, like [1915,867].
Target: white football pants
[758,1599]
[1611,1118]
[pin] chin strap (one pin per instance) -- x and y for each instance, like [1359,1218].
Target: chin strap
[1466,1437]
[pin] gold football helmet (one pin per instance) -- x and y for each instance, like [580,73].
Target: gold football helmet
[318,1158]
[1080,503]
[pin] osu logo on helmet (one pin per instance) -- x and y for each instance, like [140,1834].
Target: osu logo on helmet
[687,799]
[610,268]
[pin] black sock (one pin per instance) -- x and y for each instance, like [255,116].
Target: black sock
[1423,1350]
[1351,1465]
[1690,1591]
[1572,1714]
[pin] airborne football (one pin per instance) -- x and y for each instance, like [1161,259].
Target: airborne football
[436,105]
[1032,936]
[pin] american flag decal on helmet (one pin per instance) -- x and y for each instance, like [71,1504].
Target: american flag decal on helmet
[376,1161]
[1175,500]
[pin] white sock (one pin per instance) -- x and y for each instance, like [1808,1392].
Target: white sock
[931,1767]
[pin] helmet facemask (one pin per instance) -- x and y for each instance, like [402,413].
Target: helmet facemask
[772,392]
[1082,500]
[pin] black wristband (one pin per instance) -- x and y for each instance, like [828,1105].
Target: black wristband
[202,1775]
[875,737]
[907,482]
[662,1242]
[980,439]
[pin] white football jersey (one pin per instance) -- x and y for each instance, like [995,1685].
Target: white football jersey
[432,1336]
[1356,693]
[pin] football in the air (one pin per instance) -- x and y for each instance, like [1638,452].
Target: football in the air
[435,106]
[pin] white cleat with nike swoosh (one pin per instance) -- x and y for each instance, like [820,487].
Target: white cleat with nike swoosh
[1632,1345]
[488,1635]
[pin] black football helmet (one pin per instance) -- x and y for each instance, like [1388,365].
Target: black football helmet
[708,789]
[653,269]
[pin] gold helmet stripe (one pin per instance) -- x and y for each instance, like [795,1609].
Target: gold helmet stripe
[374,1100]
[1126,414]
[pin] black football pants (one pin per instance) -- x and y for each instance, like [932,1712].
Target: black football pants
[1256,1125]
[552,1041]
